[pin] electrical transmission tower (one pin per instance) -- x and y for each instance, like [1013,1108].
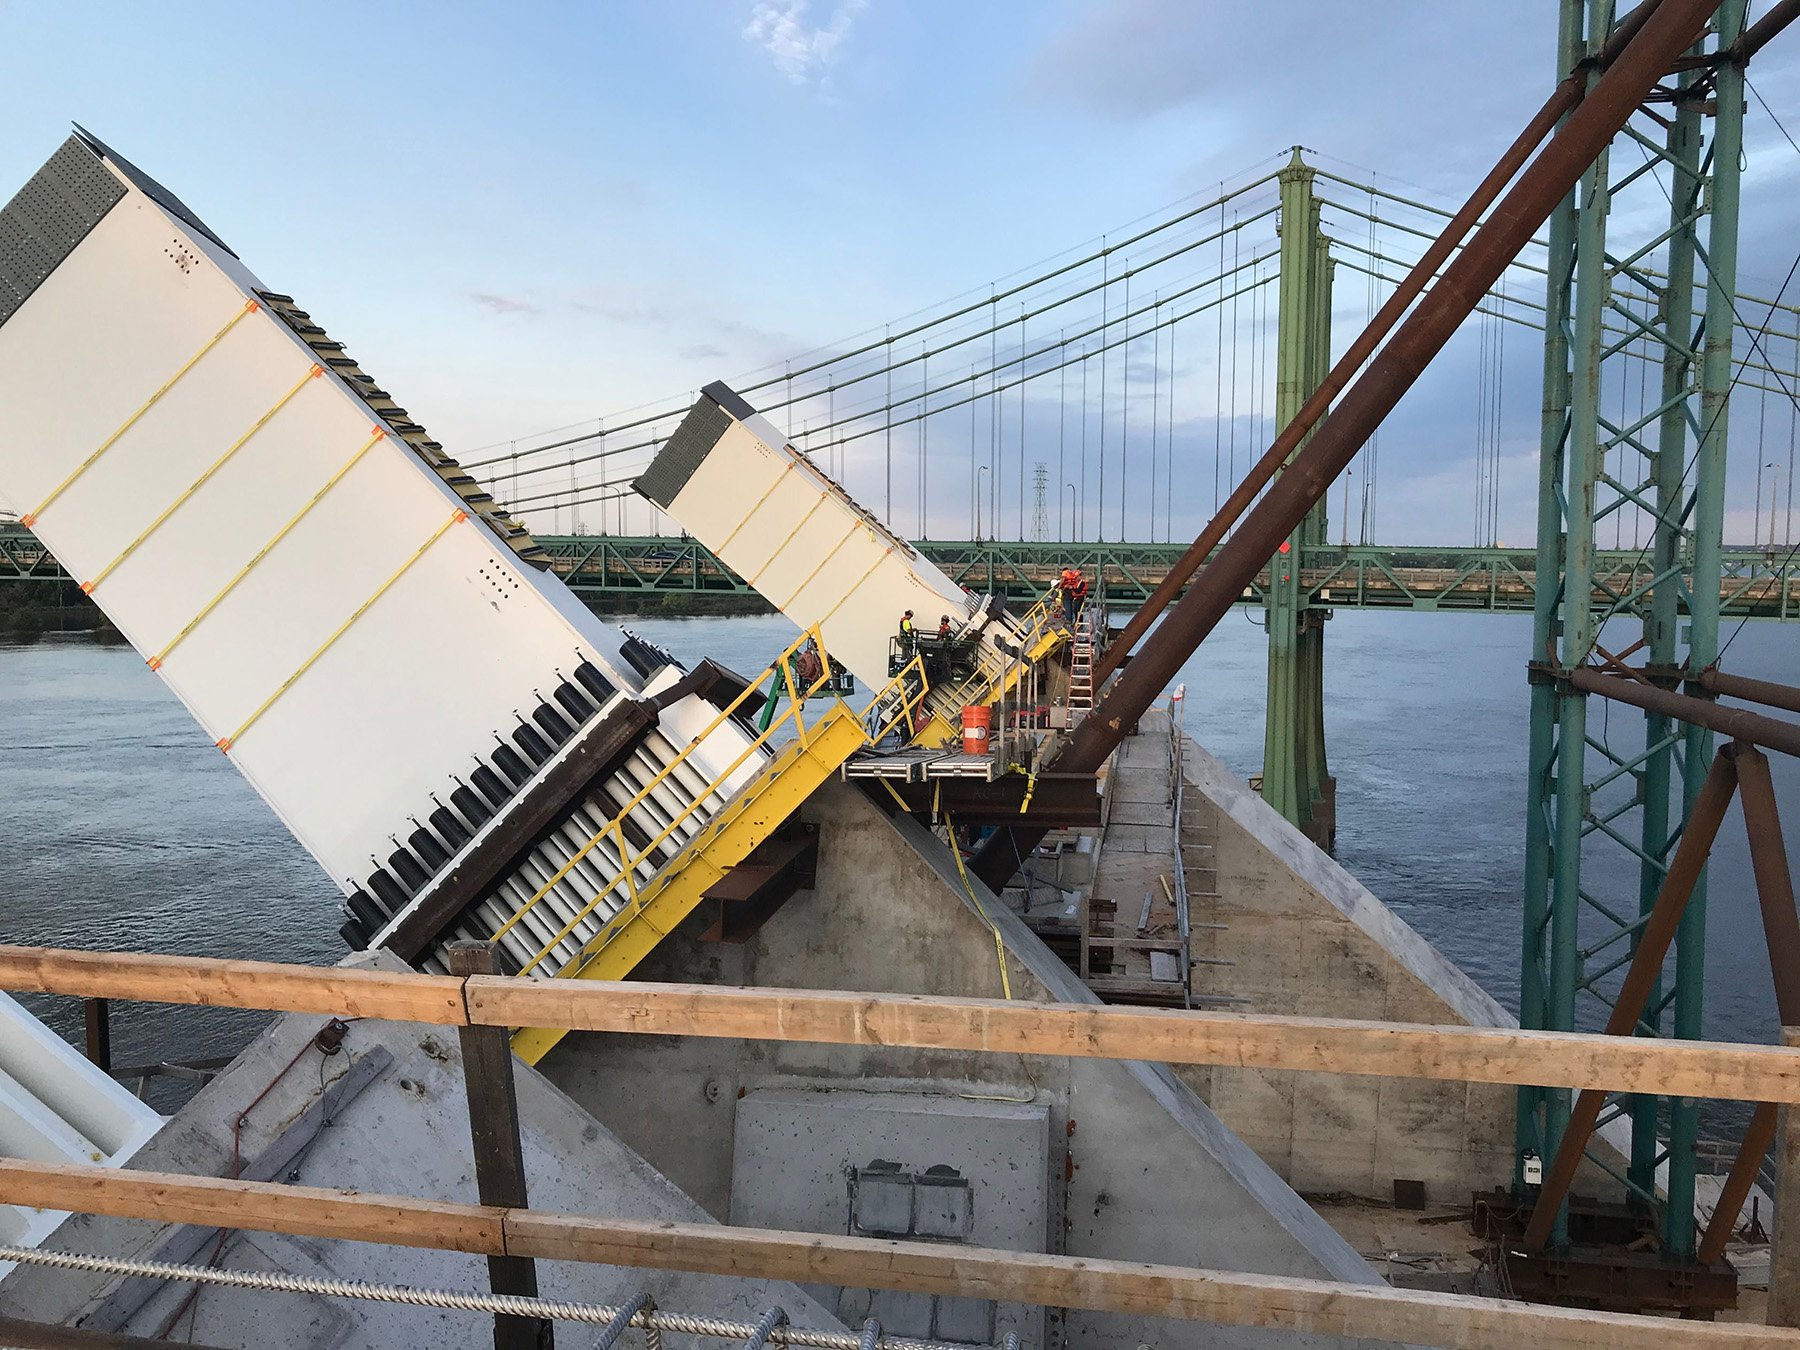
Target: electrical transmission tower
[1039,524]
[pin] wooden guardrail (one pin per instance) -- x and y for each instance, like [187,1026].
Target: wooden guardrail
[1224,1298]
[1758,1073]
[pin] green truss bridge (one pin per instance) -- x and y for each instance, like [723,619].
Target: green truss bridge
[1757,583]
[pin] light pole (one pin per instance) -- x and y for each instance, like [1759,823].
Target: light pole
[979,481]
[1774,495]
[1071,488]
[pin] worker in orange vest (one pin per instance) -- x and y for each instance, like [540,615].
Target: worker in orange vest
[1074,590]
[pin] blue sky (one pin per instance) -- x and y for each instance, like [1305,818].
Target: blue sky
[521,216]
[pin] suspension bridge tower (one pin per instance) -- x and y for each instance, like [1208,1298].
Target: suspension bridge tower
[1295,778]
[1606,810]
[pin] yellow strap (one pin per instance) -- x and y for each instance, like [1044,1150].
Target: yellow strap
[156,661]
[787,539]
[30,517]
[87,587]
[818,566]
[853,590]
[719,552]
[999,943]
[227,742]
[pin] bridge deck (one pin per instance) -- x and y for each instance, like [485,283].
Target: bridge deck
[1758,583]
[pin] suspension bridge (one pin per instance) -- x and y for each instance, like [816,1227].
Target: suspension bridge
[1100,407]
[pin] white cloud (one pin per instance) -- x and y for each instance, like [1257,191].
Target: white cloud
[802,52]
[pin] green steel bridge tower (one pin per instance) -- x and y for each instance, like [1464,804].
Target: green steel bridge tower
[1602,820]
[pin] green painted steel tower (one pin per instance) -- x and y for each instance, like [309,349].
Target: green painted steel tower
[1651,282]
[1296,780]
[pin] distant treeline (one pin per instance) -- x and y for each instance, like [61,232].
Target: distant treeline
[30,609]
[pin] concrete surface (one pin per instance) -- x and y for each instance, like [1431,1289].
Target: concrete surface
[1139,1168]
[405,1133]
[1308,939]
[905,1166]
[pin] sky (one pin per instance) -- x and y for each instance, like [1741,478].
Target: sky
[522,216]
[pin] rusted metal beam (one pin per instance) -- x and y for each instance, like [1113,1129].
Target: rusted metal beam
[1754,38]
[1741,725]
[1757,1137]
[1564,97]
[1774,881]
[1667,32]
[1783,696]
[1646,964]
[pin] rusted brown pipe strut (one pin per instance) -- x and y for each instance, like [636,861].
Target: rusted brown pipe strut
[1669,30]
[1741,724]
[1756,691]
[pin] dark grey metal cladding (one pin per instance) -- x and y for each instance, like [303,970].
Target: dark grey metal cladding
[152,189]
[709,419]
[51,215]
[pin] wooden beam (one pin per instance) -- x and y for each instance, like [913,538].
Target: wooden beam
[1173,1036]
[211,982]
[499,1148]
[19,1334]
[264,1206]
[1754,1073]
[1226,1298]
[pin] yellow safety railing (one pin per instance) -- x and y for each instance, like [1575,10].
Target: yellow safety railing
[630,860]
[897,703]
[992,669]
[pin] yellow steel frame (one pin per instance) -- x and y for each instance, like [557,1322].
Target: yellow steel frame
[1037,635]
[796,770]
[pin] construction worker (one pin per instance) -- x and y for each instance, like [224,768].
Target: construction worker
[943,632]
[1074,590]
[907,632]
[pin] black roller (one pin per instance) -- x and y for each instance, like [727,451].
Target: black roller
[430,850]
[474,810]
[444,821]
[645,657]
[527,739]
[555,727]
[388,891]
[407,868]
[366,911]
[507,760]
[574,702]
[594,682]
[355,936]
[495,788]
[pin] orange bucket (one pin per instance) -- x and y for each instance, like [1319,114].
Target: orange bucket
[977,718]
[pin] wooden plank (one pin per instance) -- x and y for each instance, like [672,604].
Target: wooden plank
[1245,1040]
[1223,1298]
[19,1334]
[1239,1040]
[266,1207]
[499,1149]
[1227,1298]
[211,982]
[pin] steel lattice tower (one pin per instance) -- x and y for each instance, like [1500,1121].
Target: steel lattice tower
[1620,811]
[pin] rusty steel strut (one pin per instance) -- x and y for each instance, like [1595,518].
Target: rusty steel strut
[1666,33]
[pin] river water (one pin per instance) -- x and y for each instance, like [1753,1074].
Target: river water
[123,827]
